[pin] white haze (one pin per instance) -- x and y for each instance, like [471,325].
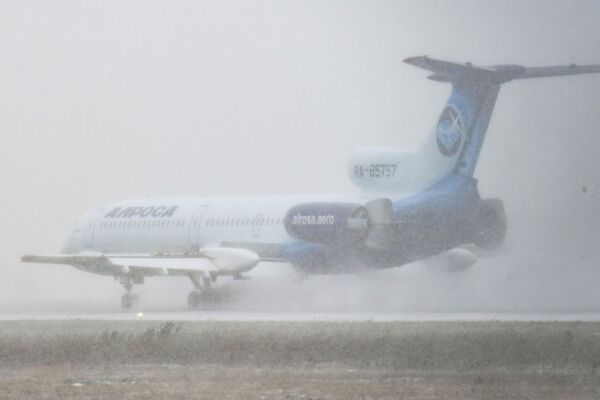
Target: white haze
[104,100]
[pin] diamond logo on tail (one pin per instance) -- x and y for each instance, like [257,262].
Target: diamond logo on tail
[450,131]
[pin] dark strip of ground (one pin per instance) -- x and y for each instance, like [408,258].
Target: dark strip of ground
[288,360]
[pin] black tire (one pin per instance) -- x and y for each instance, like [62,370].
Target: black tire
[126,302]
[491,224]
[194,299]
[129,300]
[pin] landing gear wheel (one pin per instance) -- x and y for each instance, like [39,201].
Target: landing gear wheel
[129,300]
[195,299]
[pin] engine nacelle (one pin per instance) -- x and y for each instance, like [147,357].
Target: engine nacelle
[325,222]
[490,224]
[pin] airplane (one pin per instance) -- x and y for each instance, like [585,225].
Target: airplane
[411,206]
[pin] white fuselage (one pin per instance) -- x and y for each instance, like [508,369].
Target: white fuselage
[184,225]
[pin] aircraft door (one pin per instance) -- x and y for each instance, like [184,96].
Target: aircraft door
[257,223]
[194,237]
[89,229]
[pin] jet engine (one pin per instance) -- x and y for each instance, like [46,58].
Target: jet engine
[490,224]
[328,223]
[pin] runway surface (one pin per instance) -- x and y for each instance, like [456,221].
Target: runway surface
[493,291]
[203,315]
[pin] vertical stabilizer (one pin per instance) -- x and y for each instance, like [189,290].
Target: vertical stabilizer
[455,143]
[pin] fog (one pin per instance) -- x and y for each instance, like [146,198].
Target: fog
[108,100]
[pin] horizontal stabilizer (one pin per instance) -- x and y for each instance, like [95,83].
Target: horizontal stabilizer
[491,75]
[573,69]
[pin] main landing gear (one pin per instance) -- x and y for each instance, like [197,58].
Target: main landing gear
[128,300]
[201,294]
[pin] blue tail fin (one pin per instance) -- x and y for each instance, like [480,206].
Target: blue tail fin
[462,125]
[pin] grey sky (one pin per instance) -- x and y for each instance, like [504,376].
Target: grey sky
[103,100]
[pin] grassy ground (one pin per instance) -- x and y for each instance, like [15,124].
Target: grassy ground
[294,360]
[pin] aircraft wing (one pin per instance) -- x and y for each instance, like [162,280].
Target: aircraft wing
[214,261]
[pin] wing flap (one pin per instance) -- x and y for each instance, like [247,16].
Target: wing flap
[159,264]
